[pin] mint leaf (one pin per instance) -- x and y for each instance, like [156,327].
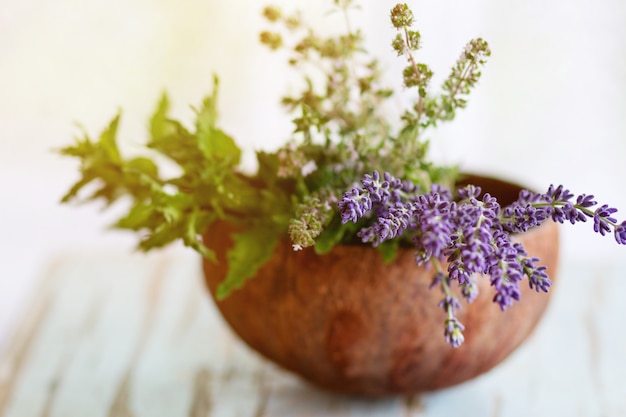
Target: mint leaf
[75,189]
[160,126]
[138,218]
[214,144]
[193,234]
[108,140]
[207,115]
[252,248]
[218,146]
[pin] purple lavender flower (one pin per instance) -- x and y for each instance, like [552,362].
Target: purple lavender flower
[456,268]
[585,201]
[505,270]
[537,277]
[527,196]
[531,210]
[453,332]
[358,202]
[469,290]
[601,217]
[442,191]
[434,226]
[520,217]
[354,205]
[558,194]
[393,223]
[437,280]
[450,304]
[471,245]
[620,233]
[377,190]
[472,233]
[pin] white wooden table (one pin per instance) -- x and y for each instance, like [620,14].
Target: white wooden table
[132,335]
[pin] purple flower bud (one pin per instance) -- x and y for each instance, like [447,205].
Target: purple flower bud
[450,303]
[443,192]
[558,194]
[505,270]
[584,200]
[453,332]
[468,192]
[389,225]
[354,205]
[537,277]
[436,280]
[469,290]
[620,233]
[601,217]
[526,196]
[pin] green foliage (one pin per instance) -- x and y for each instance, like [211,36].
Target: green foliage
[253,248]
[341,132]
[209,187]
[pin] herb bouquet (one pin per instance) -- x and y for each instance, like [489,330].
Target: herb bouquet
[347,255]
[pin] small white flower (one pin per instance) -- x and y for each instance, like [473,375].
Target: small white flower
[296,247]
[308,168]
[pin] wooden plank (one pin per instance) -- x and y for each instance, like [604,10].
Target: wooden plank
[83,342]
[134,336]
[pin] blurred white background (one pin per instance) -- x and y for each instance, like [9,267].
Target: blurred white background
[549,109]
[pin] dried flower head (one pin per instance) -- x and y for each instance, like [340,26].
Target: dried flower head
[401,16]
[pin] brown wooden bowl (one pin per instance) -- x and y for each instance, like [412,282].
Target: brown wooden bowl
[349,322]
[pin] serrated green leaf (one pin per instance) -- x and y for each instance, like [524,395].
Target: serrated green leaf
[207,115]
[108,140]
[81,148]
[144,166]
[162,236]
[252,248]
[137,218]
[216,145]
[73,192]
[159,124]
[268,167]
[193,236]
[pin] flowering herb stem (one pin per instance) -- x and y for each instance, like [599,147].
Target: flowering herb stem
[453,328]
[472,233]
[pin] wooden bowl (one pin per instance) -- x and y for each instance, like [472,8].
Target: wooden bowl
[348,322]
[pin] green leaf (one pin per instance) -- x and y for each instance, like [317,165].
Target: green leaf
[108,140]
[137,218]
[389,249]
[73,192]
[207,115]
[159,124]
[213,142]
[163,235]
[144,166]
[252,248]
[193,236]
[268,167]
[217,145]
[333,234]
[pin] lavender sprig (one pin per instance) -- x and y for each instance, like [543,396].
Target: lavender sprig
[359,201]
[532,209]
[453,328]
[472,234]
